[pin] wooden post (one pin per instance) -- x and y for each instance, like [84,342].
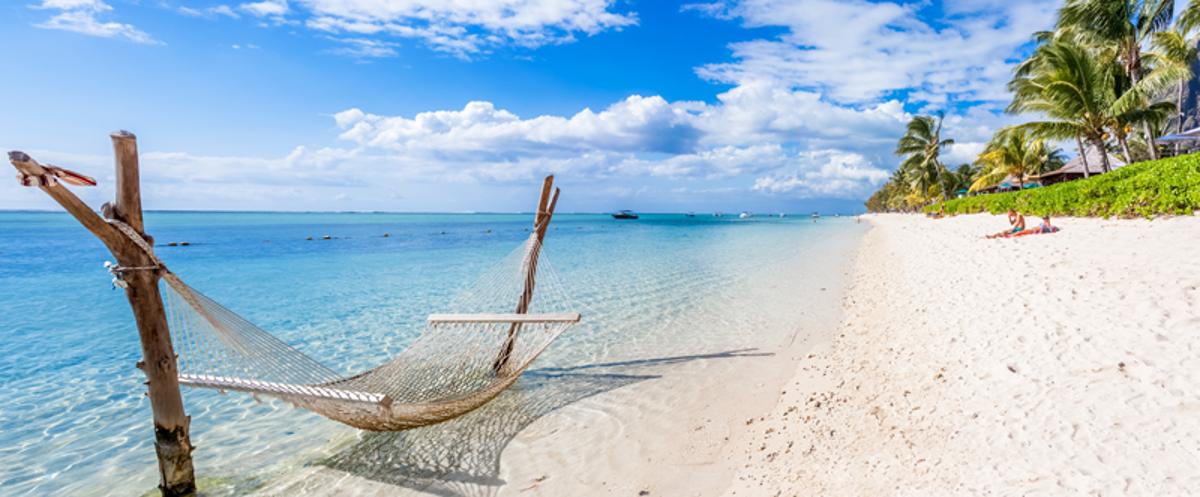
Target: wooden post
[128,207]
[171,423]
[541,222]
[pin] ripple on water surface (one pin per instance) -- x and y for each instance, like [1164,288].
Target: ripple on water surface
[75,420]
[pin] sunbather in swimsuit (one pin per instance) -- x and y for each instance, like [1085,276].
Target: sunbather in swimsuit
[1018,222]
[1045,227]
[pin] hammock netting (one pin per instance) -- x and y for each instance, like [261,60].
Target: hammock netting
[466,356]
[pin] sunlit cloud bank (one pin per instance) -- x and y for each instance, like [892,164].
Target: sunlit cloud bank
[811,112]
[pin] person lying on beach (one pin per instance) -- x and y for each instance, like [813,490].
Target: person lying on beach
[1018,224]
[1045,227]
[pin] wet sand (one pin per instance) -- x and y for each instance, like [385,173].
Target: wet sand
[667,423]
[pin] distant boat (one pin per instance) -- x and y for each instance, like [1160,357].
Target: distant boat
[718,214]
[782,215]
[691,214]
[624,215]
[816,215]
[745,215]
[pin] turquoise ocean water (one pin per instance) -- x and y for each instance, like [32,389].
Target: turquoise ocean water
[74,421]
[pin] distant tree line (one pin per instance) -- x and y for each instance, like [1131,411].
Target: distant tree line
[1110,77]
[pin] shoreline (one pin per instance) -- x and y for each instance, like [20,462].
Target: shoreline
[1059,364]
[666,421]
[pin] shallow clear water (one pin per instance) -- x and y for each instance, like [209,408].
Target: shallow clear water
[74,420]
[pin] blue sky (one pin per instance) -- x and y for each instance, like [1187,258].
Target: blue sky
[426,105]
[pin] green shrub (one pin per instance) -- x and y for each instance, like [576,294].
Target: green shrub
[1147,189]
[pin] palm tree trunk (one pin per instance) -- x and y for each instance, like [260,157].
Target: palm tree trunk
[941,181]
[1135,70]
[1178,111]
[1150,141]
[1082,155]
[1099,144]
[1179,106]
[1122,139]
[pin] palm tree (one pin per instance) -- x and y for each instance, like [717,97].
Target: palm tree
[1073,90]
[960,178]
[1176,49]
[1122,26]
[1015,152]
[922,143]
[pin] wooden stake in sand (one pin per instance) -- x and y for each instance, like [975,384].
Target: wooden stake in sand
[541,222]
[139,272]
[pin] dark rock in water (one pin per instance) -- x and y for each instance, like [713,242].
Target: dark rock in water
[385,235]
[309,238]
[184,244]
[172,244]
[327,237]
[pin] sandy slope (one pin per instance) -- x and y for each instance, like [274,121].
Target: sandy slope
[1064,364]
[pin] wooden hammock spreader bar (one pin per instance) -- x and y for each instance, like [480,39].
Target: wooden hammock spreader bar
[564,317]
[286,389]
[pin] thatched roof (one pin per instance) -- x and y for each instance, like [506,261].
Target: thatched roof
[1075,166]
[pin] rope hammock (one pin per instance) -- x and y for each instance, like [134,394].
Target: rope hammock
[462,360]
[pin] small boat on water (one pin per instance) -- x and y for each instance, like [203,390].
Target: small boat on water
[624,215]
[782,215]
[691,214]
[745,215]
[816,215]
[718,214]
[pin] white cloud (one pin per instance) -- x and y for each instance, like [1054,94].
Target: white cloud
[796,140]
[210,12]
[84,17]
[812,113]
[363,48]
[857,51]
[463,28]
[636,124]
[761,111]
[962,153]
[826,173]
[266,8]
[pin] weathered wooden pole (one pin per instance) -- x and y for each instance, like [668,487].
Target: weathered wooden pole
[541,222]
[171,423]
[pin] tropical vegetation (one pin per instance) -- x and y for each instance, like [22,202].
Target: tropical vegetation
[1110,78]
[1168,186]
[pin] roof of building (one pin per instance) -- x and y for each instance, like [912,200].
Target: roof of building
[1075,166]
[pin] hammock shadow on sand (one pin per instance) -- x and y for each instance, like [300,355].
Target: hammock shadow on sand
[461,457]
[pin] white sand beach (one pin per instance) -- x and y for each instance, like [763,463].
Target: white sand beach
[661,417]
[1061,364]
